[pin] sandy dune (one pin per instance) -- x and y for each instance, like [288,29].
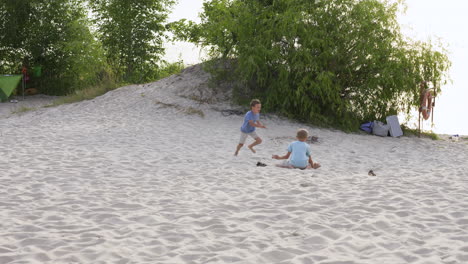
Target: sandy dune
[146,174]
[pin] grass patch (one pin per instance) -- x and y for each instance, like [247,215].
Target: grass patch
[415,132]
[169,69]
[110,84]
[190,110]
[193,111]
[86,94]
[23,109]
[166,105]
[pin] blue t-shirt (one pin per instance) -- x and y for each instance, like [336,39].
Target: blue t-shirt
[246,127]
[300,152]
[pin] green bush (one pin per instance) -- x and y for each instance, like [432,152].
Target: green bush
[328,62]
[167,69]
[108,83]
[132,34]
[54,35]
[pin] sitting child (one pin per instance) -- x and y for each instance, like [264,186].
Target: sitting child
[298,153]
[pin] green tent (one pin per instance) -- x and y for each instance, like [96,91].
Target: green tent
[8,84]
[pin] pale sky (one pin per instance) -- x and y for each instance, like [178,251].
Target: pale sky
[446,20]
[424,19]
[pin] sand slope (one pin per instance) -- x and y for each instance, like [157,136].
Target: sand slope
[146,174]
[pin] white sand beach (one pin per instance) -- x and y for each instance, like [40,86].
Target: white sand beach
[20,104]
[146,174]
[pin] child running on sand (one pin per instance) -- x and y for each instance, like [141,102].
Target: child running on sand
[298,153]
[251,121]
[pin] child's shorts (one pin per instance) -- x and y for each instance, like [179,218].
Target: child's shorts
[243,136]
[288,164]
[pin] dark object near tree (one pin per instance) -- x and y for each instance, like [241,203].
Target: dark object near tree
[367,127]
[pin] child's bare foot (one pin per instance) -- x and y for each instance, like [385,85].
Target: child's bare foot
[235,153]
[253,150]
[316,166]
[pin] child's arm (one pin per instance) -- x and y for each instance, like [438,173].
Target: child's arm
[261,124]
[258,124]
[281,157]
[312,164]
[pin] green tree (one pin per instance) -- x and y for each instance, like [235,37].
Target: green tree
[330,62]
[54,35]
[13,22]
[132,34]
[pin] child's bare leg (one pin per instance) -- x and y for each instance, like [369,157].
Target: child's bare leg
[284,166]
[239,146]
[314,166]
[255,143]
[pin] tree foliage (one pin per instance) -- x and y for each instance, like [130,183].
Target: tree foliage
[330,62]
[132,33]
[123,40]
[54,35]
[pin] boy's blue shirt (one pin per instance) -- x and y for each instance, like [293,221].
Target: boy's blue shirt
[300,152]
[246,127]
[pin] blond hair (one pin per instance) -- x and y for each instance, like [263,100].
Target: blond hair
[254,102]
[302,134]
